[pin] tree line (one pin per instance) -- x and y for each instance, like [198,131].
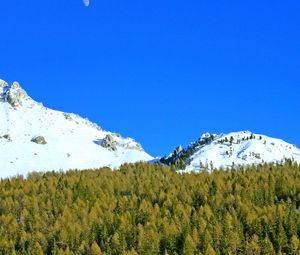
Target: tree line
[151,209]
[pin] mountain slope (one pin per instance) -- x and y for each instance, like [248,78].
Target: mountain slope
[238,148]
[36,138]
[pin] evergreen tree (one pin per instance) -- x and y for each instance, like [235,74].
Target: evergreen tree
[95,249]
[189,246]
[267,247]
[210,250]
[253,247]
[295,245]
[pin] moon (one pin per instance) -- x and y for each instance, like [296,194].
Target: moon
[86,2]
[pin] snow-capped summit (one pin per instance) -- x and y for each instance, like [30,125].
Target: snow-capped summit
[13,94]
[36,138]
[237,148]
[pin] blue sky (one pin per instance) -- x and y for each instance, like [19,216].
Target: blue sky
[163,72]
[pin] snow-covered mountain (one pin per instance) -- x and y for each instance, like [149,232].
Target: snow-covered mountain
[224,150]
[36,138]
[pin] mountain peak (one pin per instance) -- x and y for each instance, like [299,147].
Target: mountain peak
[237,148]
[12,94]
[36,138]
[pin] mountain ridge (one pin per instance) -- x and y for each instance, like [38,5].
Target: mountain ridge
[36,138]
[233,149]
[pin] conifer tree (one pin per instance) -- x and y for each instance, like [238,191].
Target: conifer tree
[95,249]
[210,250]
[295,245]
[189,246]
[253,247]
[267,247]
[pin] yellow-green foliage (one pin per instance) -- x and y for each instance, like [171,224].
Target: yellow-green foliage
[151,209]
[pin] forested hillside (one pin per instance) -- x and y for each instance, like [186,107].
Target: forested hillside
[151,209]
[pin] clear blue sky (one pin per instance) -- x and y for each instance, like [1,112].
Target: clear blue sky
[162,72]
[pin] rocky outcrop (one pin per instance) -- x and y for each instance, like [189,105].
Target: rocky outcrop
[13,94]
[39,140]
[115,141]
[178,150]
[7,137]
[109,142]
